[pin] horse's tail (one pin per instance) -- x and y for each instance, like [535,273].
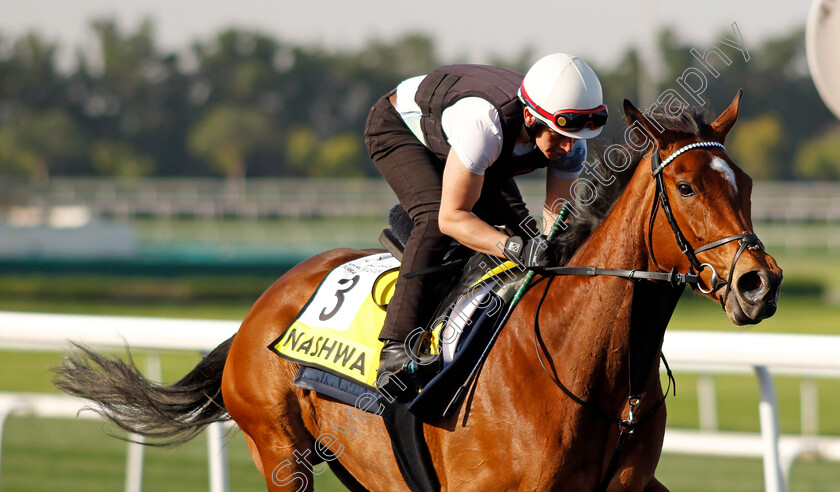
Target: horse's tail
[170,414]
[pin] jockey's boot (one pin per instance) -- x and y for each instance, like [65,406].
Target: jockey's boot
[395,375]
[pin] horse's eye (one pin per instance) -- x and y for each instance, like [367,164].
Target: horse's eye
[685,190]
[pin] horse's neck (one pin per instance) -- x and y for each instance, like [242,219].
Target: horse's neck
[594,323]
[619,242]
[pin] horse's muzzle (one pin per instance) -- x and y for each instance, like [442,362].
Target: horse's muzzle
[754,296]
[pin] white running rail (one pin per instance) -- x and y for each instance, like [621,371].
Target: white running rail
[808,356]
[30,331]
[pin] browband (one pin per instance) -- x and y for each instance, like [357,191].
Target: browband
[682,150]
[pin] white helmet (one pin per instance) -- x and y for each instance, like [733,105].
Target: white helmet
[563,93]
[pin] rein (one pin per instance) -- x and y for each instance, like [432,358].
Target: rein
[746,240]
[671,277]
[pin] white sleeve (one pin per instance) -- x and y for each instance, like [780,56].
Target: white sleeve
[474,130]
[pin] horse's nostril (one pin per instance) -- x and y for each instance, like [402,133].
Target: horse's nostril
[751,285]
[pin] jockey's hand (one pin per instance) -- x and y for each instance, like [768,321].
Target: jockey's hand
[533,253]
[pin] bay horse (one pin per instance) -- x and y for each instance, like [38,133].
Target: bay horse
[516,430]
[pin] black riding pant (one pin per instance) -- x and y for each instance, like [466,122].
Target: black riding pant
[416,175]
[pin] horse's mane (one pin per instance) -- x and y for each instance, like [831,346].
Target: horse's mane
[690,121]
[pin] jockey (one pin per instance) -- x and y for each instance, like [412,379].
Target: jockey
[449,144]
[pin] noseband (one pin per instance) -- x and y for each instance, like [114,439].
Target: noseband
[746,240]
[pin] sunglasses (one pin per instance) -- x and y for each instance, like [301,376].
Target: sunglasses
[572,120]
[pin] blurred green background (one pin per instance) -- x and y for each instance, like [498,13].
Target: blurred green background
[244,103]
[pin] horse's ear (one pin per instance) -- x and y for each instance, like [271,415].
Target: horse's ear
[637,121]
[631,113]
[724,122]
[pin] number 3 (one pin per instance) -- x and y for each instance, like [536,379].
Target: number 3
[339,294]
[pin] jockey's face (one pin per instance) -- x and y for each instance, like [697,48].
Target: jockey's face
[552,144]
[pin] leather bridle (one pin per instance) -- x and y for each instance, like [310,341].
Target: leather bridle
[746,240]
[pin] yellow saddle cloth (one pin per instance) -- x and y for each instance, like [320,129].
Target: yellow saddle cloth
[338,329]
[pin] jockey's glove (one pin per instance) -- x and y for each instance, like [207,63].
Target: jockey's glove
[534,253]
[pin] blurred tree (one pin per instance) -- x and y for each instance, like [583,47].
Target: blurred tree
[339,156]
[623,78]
[819,159]
[336,156]
[519,62]
[249,79]
[128,91]
[413,54]
[619,82]
[237,66]
[36,144]
[141,104]
[119,159]
[29,77]
[301,149]
[123,58]
[675,55]
[228,135]
[755,145]
[775,80]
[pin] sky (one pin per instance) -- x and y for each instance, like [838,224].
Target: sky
[466,32]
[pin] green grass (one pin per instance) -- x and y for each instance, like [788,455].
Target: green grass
[684,473]
[795,315]
[199,310]
[80,456]
[99,289]
[818,268]
[808,302]
[737,403]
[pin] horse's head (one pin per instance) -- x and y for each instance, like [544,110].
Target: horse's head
[708,200]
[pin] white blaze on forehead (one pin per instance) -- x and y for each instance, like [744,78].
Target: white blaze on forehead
[723,167]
